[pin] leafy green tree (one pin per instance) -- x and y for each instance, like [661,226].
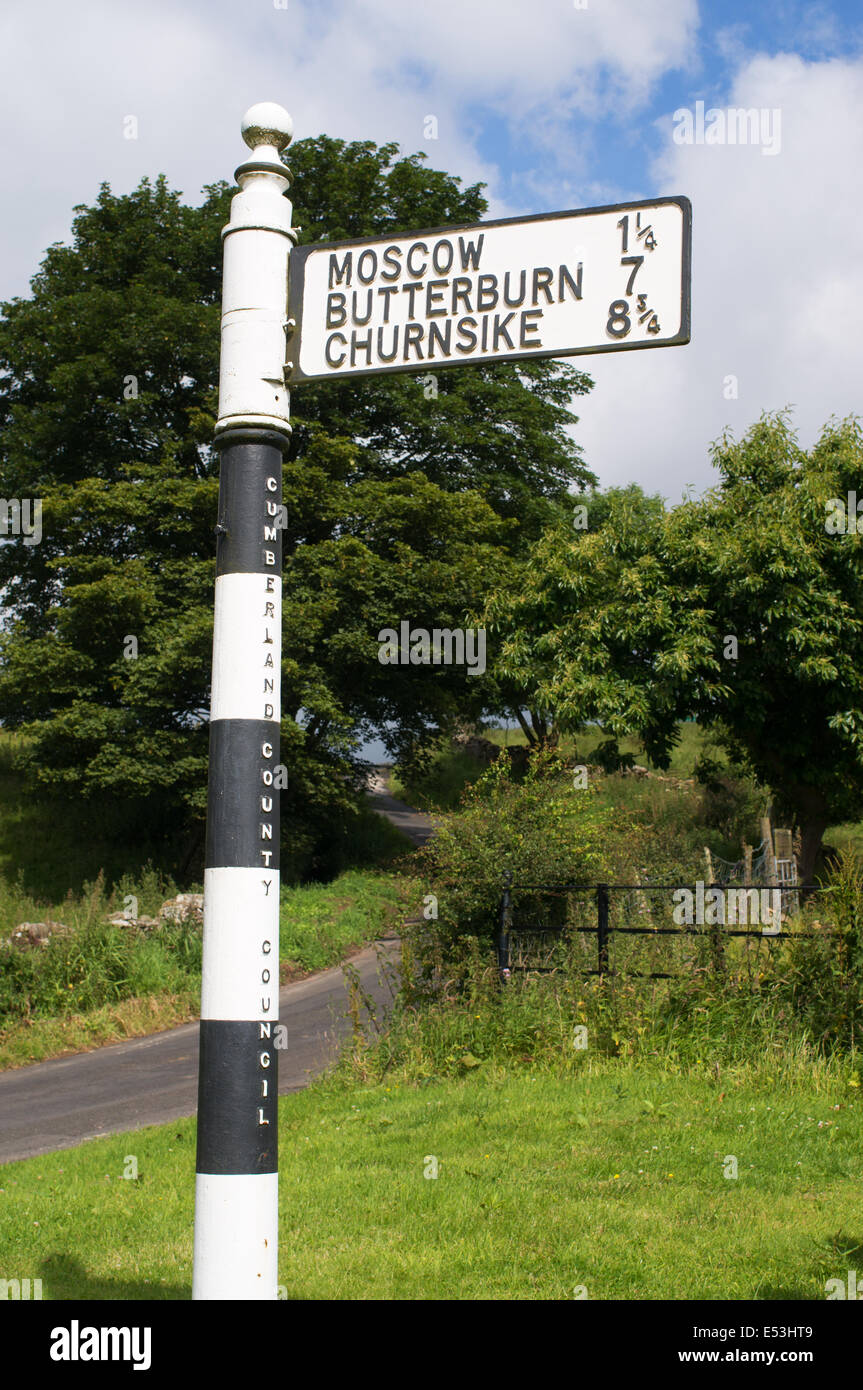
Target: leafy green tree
[743,609]
[399,507]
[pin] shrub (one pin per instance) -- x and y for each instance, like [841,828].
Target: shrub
[822,977]
[609,757]
[541,829]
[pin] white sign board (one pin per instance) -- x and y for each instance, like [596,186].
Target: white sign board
[554,285]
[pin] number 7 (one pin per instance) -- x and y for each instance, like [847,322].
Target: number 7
[636,262]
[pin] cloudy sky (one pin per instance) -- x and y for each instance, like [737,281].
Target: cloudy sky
[554,104]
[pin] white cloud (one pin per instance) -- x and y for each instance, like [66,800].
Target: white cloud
[521,54]
[358,69]
[776,274]
[777,284]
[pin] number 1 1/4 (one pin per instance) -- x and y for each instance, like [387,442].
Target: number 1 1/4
[644,234]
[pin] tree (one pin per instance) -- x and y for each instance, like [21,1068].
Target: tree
[399,506]
[743,609]
[524,661]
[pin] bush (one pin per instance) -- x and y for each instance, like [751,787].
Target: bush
[731,800]
[609,757]
[541,829]
[822,977]
[441,783]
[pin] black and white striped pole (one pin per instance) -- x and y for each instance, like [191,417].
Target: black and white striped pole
[236,1190]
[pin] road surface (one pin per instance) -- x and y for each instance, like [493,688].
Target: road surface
[151,1080]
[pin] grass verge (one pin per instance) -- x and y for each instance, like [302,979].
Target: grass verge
[321,923]
[611,1183]
[131,984]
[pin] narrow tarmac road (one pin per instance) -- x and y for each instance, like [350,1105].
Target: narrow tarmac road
[415,824]
[151,1080]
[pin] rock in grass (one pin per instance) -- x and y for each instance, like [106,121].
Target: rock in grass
[185,907]
[121,919]
[28,934]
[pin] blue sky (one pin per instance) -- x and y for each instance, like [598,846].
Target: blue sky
[554,104]
[619,152]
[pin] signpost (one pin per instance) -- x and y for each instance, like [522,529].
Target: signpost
[236,1191]
[599,280]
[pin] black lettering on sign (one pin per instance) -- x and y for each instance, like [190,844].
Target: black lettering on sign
[339,273]
[467,336]
[416,271]
[543,277]
[522,290]
[361,344]
[574,286]
[334,359]
[388,356]
[470,252]
[388,291]
[527,327]
[440,333]
[413,291]
[355,311]
[500,330]
[391,261]
[461,288]
[486,292]
[443,256]
[413,339]
[434,295]
[336,311]
[367,265]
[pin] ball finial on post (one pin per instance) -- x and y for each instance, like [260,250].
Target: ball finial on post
[267,123]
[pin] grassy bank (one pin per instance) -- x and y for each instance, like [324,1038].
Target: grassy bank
[102,983]
[611,1183]
[451,770]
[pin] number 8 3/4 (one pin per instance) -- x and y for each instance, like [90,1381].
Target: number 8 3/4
[620,317]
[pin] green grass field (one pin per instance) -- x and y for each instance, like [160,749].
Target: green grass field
[610,1184]
[702,1149]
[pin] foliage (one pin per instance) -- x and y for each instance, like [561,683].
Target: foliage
[742,609]
[822,981]
[439,785]
[609,757]
[322,923]
[95,963]
[541,830]
[400,507]
[731,800]
[797,1001]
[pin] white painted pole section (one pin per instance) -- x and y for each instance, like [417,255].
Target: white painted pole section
[236,1191]
[256,243]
